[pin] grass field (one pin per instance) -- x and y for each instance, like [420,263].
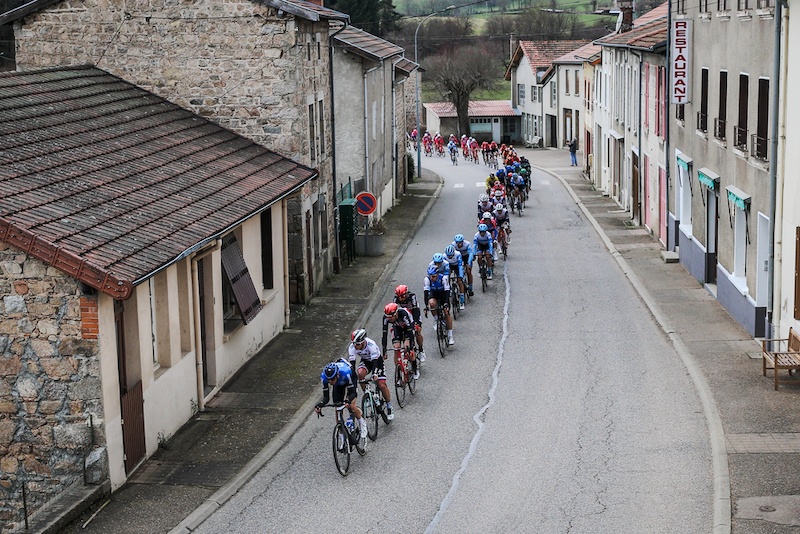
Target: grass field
[502,92]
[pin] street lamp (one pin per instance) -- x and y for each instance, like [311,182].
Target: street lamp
[419,111]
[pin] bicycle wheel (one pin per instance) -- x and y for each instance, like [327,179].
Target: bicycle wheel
[441,335]
[370,415]
[341,449]
[399,386]
[483,278]
[504,248]
[454,302]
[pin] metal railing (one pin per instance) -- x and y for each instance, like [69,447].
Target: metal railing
[740,138]
[759,147]
[702,121]
[719,128]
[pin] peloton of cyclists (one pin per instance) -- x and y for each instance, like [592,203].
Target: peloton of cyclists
[371,362]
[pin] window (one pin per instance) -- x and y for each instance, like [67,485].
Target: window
[720,122]
[566,82]
[521,92]
[661,106]
[722,5]
[577,84]
[740,131]
[743,5]
[321,129]
[534,95]
[702,115]
[312,134]
[704,6]
[240,301]
[553,93]
[267,269]
[759,148]
[680,112]
[646,111]
[681,6]
[740,244]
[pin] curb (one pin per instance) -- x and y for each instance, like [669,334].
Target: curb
[719,454]
[229,489]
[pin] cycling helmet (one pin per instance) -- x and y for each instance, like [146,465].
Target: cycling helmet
[482,227]
[450,251]
[484,197]
[438,257]
[458,238]
[390,309]
[331,371]
[358,336]
[498,193]
[432,270]
[487,215]
[498,208]
[523,172]
[401,290]
[500,173]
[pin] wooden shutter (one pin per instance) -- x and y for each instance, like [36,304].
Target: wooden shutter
[647,95]
[247,298]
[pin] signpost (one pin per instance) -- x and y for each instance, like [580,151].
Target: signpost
[366,203]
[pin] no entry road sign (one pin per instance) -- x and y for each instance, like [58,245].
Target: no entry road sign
[365,203]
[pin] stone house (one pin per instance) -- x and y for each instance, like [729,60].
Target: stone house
[369,95]
[720,147]
[529,62]
[261,69]
[635,151]
[143,257]
[590,55]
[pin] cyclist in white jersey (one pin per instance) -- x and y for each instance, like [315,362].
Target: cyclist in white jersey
[371,362]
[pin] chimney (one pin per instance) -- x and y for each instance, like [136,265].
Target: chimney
[626,15]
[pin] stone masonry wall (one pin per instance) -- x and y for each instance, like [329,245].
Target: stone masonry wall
[49,384]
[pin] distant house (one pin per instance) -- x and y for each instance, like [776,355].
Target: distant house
[369,96]
[143,258]
[488,120]
[529,63]
[259,68]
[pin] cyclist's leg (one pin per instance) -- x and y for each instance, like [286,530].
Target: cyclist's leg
[379,373]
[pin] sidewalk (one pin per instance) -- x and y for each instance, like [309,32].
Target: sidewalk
[219,449]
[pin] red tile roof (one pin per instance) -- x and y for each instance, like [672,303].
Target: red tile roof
[477,108]
[111,183]
[406,66]
[540,54]
[578,55]
[646,36]
[366,45]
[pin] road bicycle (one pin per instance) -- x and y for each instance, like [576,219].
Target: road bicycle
[404,377]
[373,406]
[440,150]
[441,328]
[346,437]
[454,156]
[428,150]
[457,297]
[483,271]
[502,239]
[517,201]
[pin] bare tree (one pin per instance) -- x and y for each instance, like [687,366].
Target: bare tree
[456,74]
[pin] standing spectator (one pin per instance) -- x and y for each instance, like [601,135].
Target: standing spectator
[573,149]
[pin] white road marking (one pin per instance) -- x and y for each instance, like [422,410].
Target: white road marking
[456,186]
[480,184]
[545,182]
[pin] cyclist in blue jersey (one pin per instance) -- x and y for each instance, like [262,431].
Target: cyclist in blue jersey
[453,258]
[483,243]
[339,375]
[464,248]
[437,290]
[442,267]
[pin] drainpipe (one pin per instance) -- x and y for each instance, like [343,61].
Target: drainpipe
[667,123]
[287,311]
[198,342]
[394,127]
[778,132]
[367,176]
[337,261]
[641,206]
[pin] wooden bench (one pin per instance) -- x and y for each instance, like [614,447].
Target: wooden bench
[784,354]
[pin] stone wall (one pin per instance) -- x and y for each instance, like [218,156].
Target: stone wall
[50,389]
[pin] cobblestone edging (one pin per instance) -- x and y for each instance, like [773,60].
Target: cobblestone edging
[50,388]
